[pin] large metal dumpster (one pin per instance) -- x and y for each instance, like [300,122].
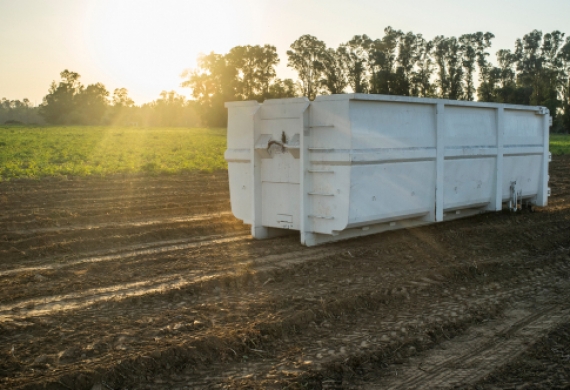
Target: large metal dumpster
[350,165]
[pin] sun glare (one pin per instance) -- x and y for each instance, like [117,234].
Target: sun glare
[148,44]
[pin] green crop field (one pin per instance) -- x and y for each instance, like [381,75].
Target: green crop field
[33,152]
[560,143]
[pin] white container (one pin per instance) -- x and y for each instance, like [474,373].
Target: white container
[349,165]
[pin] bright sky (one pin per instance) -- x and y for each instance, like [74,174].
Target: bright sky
[144,45]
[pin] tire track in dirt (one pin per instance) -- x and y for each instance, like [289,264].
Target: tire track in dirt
[77,239]
[336,359]
[469,361]
[325,356]
[126,252]
[130,224]
[129,291]
[109,183]
[441,305]
[78,300]
[32,214]
[362,320]
[87,207]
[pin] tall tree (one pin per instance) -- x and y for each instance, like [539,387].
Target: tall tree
[498,83]
[564,58]
[334,79]
[306,57]
[267,60]
[537,73]
[355,57]
[122,110]
[469,50]
[91,104]
[244,60]
[449,64]
[382,62]
[284,89]
[213,83]
[406,62]
[530,64]
[421,84]
[474,53]
[121,98]
[59,104]
[245,73]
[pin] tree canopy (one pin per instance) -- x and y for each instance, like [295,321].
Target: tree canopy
[535,72]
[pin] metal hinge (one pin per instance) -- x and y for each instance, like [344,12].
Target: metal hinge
[549,157]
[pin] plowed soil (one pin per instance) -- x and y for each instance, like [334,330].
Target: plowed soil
[136,282]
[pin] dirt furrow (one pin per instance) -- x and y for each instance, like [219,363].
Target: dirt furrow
[83,209]
[314,348]
[126,252]
[118,183]
[469,357]
[165,283]
[325,310]
[126,224]
[90,206]
[545,365]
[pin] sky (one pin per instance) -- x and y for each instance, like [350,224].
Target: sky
[145,45]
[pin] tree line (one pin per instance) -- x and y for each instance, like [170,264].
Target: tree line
[69,102]
[16,111]
[535,72]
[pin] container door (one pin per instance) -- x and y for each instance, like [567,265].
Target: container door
[280,174]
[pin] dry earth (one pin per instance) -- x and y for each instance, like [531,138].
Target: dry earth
[150,283]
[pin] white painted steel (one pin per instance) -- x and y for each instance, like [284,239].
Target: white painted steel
[356,164]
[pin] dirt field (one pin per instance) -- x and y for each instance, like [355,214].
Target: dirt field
[150,283]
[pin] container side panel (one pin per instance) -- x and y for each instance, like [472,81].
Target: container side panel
[280,128]
[327,183]
[284,108]
[381,192]
[240,190]
[277,127]
[281,168]
[392,125]
[525,170]
[468,182]
[469,127]
[327,167]
[240,127]
[282,211]
[238,155]
[523,128]
[329,125]
[329,197]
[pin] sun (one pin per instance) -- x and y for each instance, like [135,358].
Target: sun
[145,45]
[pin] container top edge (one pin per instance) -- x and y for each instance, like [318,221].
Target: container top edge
[388,98]
[302,99]
[410,99]
[242,103]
